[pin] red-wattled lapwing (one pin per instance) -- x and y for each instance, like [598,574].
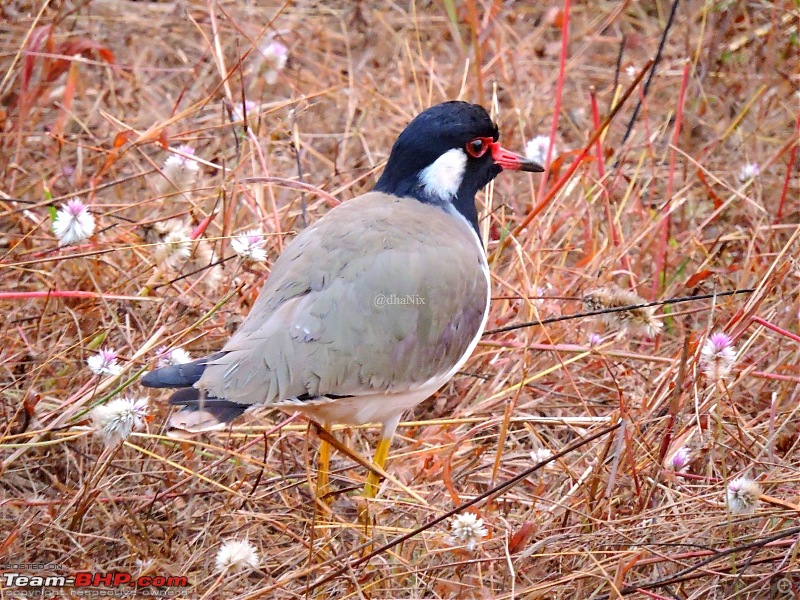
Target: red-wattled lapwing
[374,307]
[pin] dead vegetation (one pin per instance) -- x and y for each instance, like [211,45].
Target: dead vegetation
[700,198]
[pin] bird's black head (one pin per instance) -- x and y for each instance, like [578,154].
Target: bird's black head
[445,155]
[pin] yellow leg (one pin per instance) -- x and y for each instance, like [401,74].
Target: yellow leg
[324,470]
[381,454]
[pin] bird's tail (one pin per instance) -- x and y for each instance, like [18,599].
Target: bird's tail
[199,412]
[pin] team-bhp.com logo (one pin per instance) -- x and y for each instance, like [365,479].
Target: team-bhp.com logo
[84,579]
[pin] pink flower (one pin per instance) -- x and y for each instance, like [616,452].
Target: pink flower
[249,246]
[73,223]
[176,356]
[749,171]
[681,459]
[717,356]
[104,363]
[274,56]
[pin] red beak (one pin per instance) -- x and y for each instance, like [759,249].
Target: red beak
[511,161]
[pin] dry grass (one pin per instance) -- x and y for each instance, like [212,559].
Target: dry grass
[600,522]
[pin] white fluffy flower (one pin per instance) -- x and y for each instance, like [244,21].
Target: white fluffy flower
[742,496]
[175,356]
[174,244]
[274,55]
[116,420]
[73,223]
[468,529]
[104,363]
[717,356]
[180,169]
[249,246]
[235,555]
[635,317]
[749,171]
[541,455]
[536,149]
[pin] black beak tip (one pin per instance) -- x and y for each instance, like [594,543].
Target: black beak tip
[531,167]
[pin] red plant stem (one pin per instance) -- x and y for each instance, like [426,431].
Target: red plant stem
[601,172]
[774,376]
[544,202]
[201,228]
[601,164]
[694,477]
[69,294]
[666,440]
[661,253]
[789,170]
[777,329]
[562,67]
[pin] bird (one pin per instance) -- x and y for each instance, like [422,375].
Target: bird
[372,308]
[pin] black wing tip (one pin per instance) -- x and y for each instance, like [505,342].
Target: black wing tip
[152,380]
[178,376]
[168,377]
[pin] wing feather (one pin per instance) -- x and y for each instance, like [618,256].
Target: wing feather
[380,295]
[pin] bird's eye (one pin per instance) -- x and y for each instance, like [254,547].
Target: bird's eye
[477,147]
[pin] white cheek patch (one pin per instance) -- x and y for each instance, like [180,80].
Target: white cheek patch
[443,177]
